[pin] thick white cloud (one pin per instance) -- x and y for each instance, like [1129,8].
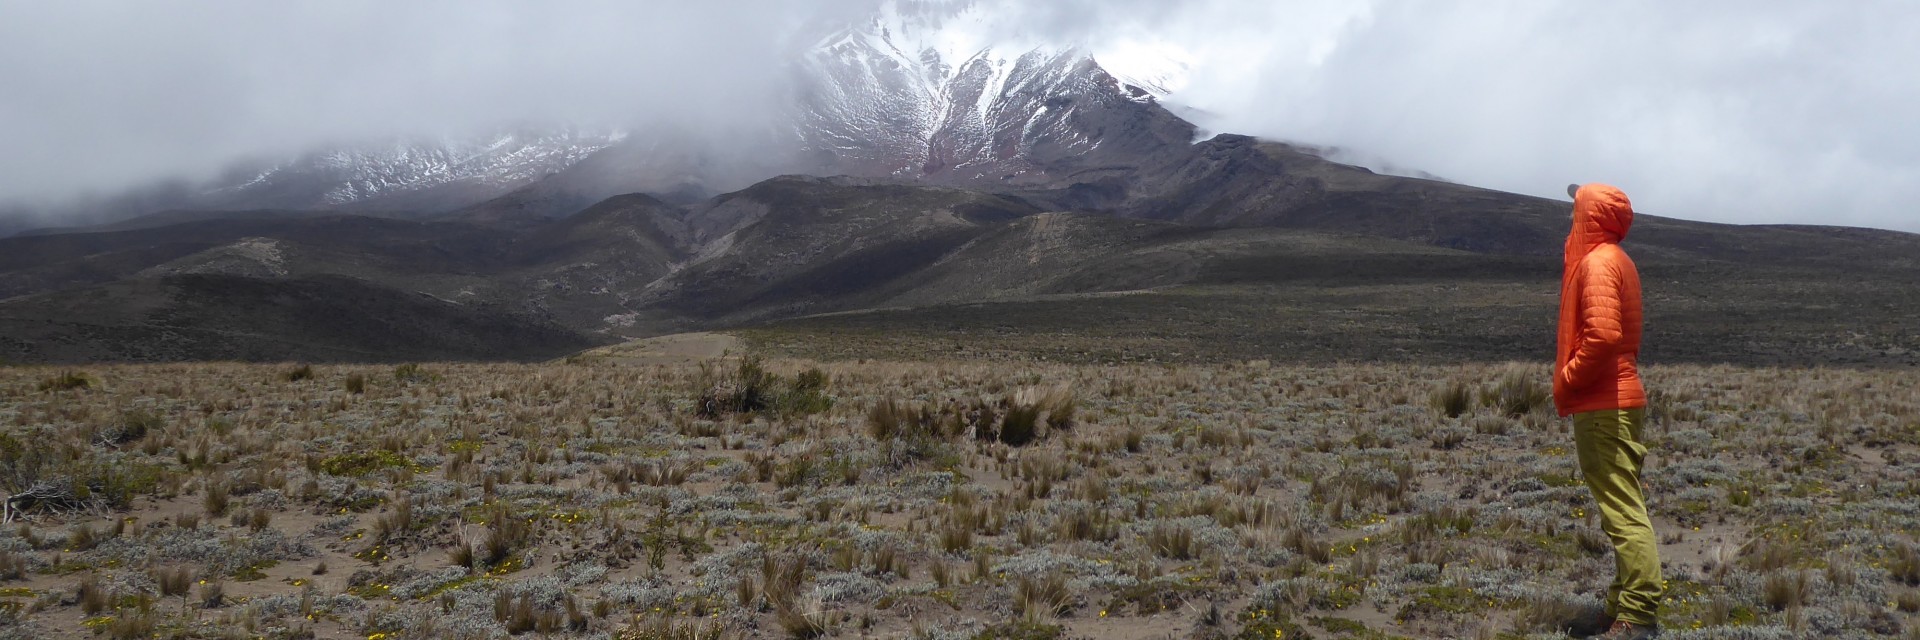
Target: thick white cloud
[1720,110]
[100,94]
[1727,111]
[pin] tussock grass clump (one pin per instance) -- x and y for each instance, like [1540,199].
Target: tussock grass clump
[1020,425]
[1518,390]
[70,380]
[1091,523]
[1593,541]
[957,534]
[892,419]
[215,498]
[752,389]
[1451,398]
[133,425]
[665,628]
[1904,566]
[1491,425]
[82,538]
[259,519]
[515,614]
[1447,437]
[213,594]
[412,373]
[1768,554]
[1171,541]
[1364,489]
[909,433]
[394,523]
[138,623]
[296,374]
[1035,598]
[1785,590]
[1907,600]
[782,577]
[1027,411]
[1310,546]
[806,395]
[92,596]
[175,581]
[1559,614]
[1521,390]
[507,533]
[1018,419]
[12,565]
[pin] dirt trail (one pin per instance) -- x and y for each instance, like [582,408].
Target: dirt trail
[678,348]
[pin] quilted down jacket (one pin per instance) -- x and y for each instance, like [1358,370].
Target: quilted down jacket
[1596,366]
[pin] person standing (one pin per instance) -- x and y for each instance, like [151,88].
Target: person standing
[1596,381]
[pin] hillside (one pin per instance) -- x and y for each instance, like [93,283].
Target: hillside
[1417,269]
[229,317]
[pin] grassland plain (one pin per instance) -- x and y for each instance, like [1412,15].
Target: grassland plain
[620,496]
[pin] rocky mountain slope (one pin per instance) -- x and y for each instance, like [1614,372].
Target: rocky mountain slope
[809,247]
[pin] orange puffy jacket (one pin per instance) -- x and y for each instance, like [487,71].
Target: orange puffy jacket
[1596,365]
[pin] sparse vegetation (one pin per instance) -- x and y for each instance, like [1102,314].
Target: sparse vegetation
[564,499]
[69,380]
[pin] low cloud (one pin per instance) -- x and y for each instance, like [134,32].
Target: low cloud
[1750,112]
[1720,110]
[104,94]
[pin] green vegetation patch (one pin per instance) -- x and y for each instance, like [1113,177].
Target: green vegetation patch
[1269,624]
[69,380]
[1449,599]
[1023,630]
[360,464]
[255,571]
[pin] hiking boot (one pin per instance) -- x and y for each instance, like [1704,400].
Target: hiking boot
[1623,630]
[1590,623]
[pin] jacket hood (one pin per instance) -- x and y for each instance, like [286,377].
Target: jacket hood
[1601,215]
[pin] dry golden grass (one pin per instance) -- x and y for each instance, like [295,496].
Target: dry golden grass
[937,499]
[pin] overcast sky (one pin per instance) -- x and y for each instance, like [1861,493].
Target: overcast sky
[1727,111]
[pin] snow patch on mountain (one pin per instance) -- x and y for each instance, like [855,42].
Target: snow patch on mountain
[947,90]
[349,174]
[942,89]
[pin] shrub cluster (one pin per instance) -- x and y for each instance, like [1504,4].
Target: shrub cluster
[751,389]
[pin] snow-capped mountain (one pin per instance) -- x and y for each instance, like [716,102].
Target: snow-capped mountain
[929,95]
[438,171]
[932,90]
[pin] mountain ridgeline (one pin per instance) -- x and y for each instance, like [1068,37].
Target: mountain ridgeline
[945,201]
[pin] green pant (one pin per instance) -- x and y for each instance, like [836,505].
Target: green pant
[1610,458]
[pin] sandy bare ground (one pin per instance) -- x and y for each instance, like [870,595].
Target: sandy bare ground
[679,348]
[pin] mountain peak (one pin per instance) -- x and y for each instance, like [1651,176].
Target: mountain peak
[945,91]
